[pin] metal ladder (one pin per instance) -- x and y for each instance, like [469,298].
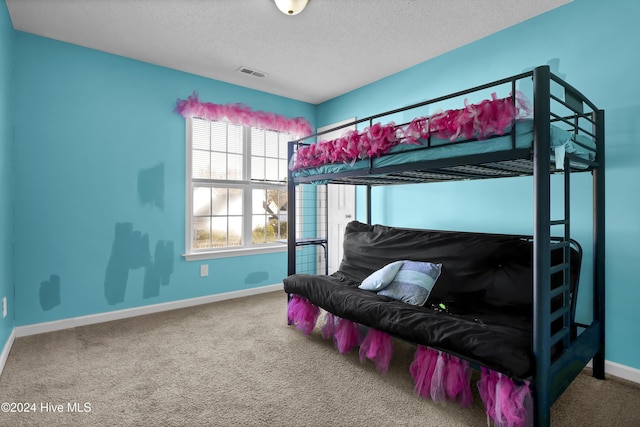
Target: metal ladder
[564,311]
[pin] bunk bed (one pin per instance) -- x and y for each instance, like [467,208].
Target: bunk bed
[562,133]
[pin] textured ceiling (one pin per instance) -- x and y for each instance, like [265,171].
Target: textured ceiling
[332,47]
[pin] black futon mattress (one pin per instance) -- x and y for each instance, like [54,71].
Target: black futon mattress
[485,286]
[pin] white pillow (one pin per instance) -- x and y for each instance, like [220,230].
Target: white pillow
[380,279]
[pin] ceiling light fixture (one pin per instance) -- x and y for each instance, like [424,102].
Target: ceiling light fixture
[291,7]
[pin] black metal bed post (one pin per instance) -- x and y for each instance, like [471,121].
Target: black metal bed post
[542,246]
[291,216]
[567,318]
[599,243]
[368,186]
[368,204]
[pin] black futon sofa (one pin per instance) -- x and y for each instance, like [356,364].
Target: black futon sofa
[480,308]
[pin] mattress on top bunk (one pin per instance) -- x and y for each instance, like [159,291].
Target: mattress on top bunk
[562,142]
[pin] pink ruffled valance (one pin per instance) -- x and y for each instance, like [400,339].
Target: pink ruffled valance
[488,118]
[241,114]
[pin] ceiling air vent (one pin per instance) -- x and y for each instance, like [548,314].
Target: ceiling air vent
[251,72]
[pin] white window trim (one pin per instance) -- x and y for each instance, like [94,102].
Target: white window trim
[265,248]
[230,253]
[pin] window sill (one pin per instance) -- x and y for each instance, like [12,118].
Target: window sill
[230,253]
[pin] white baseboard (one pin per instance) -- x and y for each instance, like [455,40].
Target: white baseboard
[6,349]
[622,371]
[56,325]
[610,368]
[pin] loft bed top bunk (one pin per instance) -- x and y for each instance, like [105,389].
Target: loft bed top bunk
[491,138]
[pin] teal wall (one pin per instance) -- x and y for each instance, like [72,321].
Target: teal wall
[7,41]
[583,43]
[99,169]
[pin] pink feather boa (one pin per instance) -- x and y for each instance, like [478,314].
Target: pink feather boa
[488,118]
[241,114]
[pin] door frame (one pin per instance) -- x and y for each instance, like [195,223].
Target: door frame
[342,213]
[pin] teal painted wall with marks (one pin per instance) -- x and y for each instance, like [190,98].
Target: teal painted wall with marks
[99,168]
[7,43]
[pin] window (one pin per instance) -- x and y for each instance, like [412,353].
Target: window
[236,189]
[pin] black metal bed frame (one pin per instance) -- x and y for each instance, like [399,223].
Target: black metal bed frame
[552,374]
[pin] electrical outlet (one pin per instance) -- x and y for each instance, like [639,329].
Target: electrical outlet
[204,270]
[4,307]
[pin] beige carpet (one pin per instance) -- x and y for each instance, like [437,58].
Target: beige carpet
[238,363]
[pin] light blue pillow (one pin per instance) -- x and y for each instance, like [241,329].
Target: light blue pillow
[413,282]
[380,279]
